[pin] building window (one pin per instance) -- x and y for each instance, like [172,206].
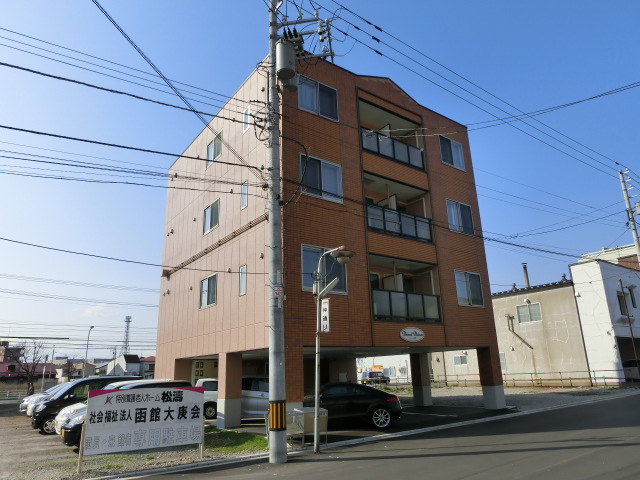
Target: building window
[317,98]
[632,297]
[451,152]
[329,265]
[243,280]
[211,216]
[503,361]
[460,359]
[321,178]
[214,149]
[459,216]
[623,304]
[208,291]
[374,281]
[244,195]
[246,118]
[469,289]
[528,313]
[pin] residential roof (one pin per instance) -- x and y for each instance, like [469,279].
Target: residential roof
[148,359]
[535,288]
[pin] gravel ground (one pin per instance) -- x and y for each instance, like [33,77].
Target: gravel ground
[45,458]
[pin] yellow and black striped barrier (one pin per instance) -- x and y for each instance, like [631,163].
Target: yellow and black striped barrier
[277,415]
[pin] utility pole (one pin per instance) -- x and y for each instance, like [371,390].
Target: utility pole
[630,216]
[283,52]
[277,388]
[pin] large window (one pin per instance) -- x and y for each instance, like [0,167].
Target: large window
[329,265]
[211,216]
[208,291]
[318,98]
[451,153]
[243,280]
[321,178]
[459,216]
[529,313]
[214,149]
[469,289]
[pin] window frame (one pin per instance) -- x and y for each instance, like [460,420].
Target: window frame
[324,165]
[214,149]
[453,148]
[521,320]
[215,290]
[468,286]
[316,109]
[242,280]
[244,195]
[459,226]
[246,115]
[341,288]
[458,360]
[206,230]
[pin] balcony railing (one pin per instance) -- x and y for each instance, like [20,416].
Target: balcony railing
[392,148]
[392,221]
[395,306]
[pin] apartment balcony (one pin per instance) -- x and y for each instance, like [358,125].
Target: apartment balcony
[393,306]
[403,290]
[391,148]
[396,209]
[393,222]
[393,135]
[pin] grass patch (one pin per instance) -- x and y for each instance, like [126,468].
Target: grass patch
[111,466]
[229,441]
[150,457]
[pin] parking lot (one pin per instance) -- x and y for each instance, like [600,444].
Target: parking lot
[29,455]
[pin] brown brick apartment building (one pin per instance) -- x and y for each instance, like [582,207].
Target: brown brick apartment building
[363,165]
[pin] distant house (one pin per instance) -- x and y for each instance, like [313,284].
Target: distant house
[148,367]
[569,332]
[126,364]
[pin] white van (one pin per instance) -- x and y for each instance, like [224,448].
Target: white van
[254,400]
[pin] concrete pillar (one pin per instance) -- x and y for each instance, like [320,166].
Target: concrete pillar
[491,378]
[229,390]
[420,379]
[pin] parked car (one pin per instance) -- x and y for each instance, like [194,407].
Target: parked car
[354,401]
[255,396]
[375,378]
[631,370]
[45,412]
[71,429]
[210,396]
[66,413]
[38,397]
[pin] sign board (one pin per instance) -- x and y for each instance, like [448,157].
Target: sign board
[411,334]
[137,419]
[324,315]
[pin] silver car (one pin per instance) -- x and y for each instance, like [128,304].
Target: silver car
[38,397]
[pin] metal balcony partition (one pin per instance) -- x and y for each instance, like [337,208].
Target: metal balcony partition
[392,148]
[392,221]
[389,305]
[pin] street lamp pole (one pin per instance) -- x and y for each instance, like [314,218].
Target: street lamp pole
[342,256]
[86,352]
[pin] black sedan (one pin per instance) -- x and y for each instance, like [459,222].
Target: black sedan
[353,401]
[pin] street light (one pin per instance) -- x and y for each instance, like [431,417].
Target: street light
[86,352]
[342,256]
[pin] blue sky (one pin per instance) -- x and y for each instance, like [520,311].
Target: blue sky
[551,185]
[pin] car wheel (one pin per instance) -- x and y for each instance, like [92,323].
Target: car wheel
[380,417]
[210,410]
[48,427]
